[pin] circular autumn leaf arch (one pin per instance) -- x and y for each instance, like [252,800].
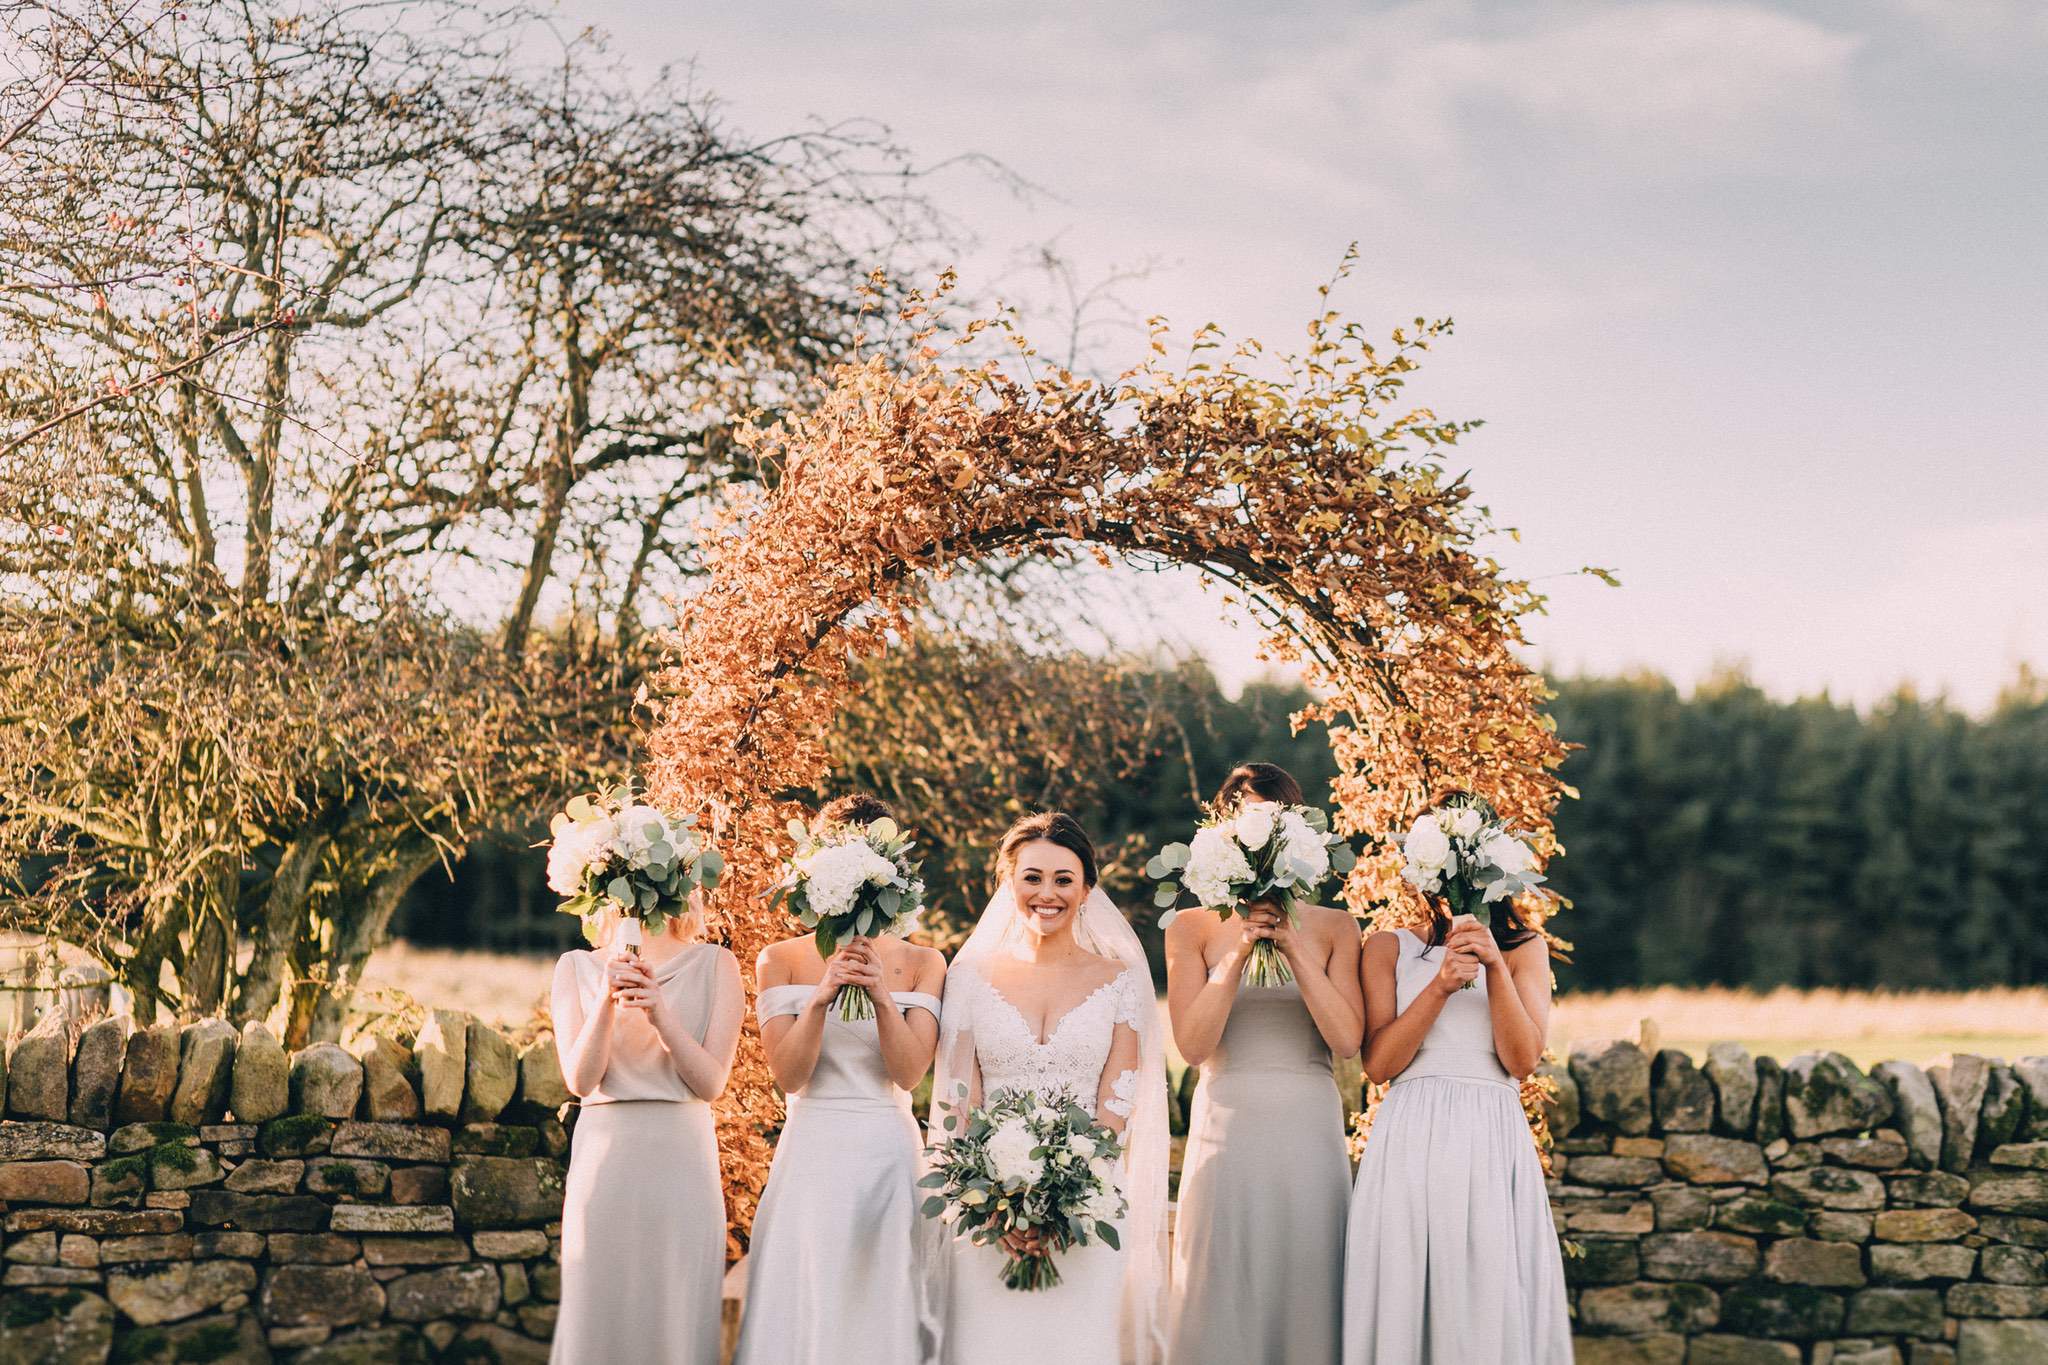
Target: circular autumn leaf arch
[1305,483]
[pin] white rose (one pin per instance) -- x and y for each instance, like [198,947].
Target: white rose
[1103,1205]
[1425,847]
[1010,1146]
[1464,822]
[1254,825]
[1082,1146]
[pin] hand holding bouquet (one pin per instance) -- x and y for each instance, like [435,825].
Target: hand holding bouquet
[609,851]
[1260,851]
[851,880]
[1022,1165]
[1465,853]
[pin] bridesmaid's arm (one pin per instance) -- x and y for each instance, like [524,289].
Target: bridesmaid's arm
[1517,996]
[790,1040]
[705,1067]
[1329,982]
[1198,999]
[1392,1040]
[584,1044]
[909,1037]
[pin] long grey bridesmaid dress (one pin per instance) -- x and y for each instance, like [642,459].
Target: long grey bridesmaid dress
[1452,1258]
[1259,1241]
[643,1214]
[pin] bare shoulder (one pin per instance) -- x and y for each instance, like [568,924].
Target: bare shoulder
[1334,924]
[1190,929]
[1382,945]
[925,966]
[781,957]
[1100,970]
[1532,952]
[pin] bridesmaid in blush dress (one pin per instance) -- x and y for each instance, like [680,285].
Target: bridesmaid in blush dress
[1452,1258]
[833,1270]
[646,1044]
[1259,1243]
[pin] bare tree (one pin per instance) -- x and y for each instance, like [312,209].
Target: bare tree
[360,393]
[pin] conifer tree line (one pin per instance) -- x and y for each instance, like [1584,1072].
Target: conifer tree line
[1719,836]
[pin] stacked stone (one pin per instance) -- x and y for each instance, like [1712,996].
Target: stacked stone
[193,1193]
[1753,1212]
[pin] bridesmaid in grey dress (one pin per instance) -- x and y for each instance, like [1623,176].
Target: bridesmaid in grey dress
[1452,1258]
[1259,1237]
[646,1044]
[832,1271]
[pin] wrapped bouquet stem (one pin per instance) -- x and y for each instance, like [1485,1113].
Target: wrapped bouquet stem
[847,881]
[1258,852]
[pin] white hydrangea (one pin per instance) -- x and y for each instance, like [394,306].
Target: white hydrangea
[1009,1147]
[1254,825]
[834,875]
[575,849]
[1215,863]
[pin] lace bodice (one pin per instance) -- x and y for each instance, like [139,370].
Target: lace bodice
[1072,1057]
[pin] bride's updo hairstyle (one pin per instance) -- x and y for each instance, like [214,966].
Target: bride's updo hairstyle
[1266,781]
[1052,827]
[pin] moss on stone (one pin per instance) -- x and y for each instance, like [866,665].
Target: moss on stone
[340,1176]
[26,1310]
[143,1343]
[214,1341]
[178,1156]
[125,1168]
[291,1133]
[173,1132]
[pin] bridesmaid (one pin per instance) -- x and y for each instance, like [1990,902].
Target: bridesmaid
[831,1273]
[1452,1256]
[646,1044]
[1259,1247]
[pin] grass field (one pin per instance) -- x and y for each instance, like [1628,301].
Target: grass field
[1869,1026]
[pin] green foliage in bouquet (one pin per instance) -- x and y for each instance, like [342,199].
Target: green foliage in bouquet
[610,852]
[1023,1164]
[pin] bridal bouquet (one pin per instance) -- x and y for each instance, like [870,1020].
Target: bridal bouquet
[609,851]
[1260,851]
[1020,1164]
[1465,853]
[849,880]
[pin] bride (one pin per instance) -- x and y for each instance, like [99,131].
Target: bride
[1052,993]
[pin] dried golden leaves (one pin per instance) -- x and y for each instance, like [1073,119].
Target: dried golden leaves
[1337,523]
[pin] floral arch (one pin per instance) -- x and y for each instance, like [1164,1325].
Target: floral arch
[1309,489]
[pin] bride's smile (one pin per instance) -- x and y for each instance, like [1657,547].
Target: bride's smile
[1050,886]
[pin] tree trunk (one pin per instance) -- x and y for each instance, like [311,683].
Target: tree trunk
[363,933]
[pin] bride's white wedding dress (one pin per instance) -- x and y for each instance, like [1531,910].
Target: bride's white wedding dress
[1105,1309]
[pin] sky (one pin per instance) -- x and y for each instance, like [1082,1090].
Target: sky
[1753,298]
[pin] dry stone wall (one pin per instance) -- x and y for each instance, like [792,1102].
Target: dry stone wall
[1747,1211]
[195,1194]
